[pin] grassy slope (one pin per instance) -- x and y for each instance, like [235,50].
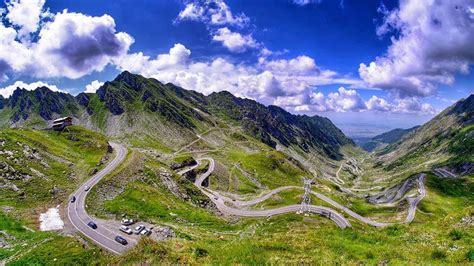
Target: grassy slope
[436,236]
[204,238]
[79,146]
[72,154]
[41,248]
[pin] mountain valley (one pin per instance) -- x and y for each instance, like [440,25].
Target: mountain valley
[200,168]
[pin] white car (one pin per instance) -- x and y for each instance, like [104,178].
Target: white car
[139,228]
[145,232]
[127,222]
[87,188]
[126,230]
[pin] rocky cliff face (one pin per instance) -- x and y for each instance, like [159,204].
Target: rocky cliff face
[43,102]
[274,125]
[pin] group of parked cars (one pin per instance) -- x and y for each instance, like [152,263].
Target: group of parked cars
[138,230]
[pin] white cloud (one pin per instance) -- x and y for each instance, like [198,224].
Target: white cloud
[234,41]
[378,104]
[8,91]
[412,105]
[192,11]
[79,44]
[212,12]
[139,63]
[299,65]
[306,2]
[345,100]
[434,43]
[25,14]
[93,86]
[69,45]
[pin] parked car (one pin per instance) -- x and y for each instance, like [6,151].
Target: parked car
[126,230]
[92,225]
[146,232]
[121,240]
[73,199]
[139,228]
[87,188]
[127,222]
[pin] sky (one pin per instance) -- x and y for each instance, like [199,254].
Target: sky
[370,66]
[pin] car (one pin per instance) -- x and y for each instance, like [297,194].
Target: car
[121,240]
[87,188]
[126,230]
[139,228]
[216,198]
[92,225]
[127,222]
[145,232]
[73,199]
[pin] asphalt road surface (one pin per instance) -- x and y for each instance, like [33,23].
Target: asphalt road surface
[220,201]
[79,218]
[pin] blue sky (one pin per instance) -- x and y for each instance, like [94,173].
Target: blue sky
[302,55]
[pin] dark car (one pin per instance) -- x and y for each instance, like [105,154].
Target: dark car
[92,225]
[73,199]
[121,240]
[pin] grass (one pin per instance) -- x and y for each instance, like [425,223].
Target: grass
[313,240]
[271,168]
[99,111]
[65,159]
[41,248]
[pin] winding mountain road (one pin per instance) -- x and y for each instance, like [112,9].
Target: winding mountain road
[104,237]
[79,218]
[220,201]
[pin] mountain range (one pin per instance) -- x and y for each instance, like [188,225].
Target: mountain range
[132,104]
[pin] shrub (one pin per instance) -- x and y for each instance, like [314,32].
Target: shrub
[455,234]
[438,254]
[200,252]
[470,255]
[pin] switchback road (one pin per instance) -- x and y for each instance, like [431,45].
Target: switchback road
[220,201]
[78,216]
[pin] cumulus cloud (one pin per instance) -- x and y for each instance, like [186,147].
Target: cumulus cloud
[139,63]
[212,12]
[234,41]
[79,45]
[25,15]
[8,90]
[68,45]
[433,42]
[299,65]
[93,86]
[347,100]
[378,104]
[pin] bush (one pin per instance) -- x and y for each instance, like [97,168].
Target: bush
[438,254]
[470,255]
[200,252]
[455,234]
